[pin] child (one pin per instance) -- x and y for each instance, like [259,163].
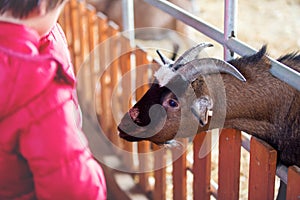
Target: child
[43,153]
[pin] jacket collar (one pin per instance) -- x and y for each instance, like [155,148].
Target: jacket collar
[19,39]
[27,39]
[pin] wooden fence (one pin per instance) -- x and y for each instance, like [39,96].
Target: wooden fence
[85,29]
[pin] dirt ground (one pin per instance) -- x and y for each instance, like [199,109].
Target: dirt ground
[275,23]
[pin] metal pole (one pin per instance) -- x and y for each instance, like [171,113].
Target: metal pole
[128,19]
[230,28]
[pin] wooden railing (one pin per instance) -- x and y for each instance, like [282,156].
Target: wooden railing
[87,29]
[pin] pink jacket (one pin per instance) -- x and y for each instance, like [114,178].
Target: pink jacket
[43,152]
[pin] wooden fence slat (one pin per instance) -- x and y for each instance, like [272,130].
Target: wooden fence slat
[101,53]
[113,30]
[179,172]
[64,21]
[114,53]
[87,72]
[83,36]
[159,192]
[126,103]
[105,79]
[102,27]
[75,33]
[293,187]
[201,168]
[83,52]
[144,146]
[229,164]
[105,94]
[142,76]
[144,165]
[91,13]
[125,68]
[262,170]
[67,23]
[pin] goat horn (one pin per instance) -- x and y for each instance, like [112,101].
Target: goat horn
[164,58]
[191,70]
[190,54]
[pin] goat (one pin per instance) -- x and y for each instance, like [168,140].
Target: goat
[179,102]
[190,89]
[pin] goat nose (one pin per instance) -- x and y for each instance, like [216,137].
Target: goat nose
[133,113]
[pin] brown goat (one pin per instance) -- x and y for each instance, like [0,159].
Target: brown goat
[185,91]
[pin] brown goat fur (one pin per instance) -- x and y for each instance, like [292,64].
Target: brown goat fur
[263,106]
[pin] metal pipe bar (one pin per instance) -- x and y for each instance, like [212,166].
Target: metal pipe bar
[128,14]
[214,188]
[128,20]
[286,74]
[279,70]
[230,25]
[282,172]
[245,141]
[239,47]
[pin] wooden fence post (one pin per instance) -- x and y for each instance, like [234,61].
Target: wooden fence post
[229,164]
[126,103]
[83,32]
[91,13]
[75,33]
[101,53]
[144,146]
[87,72]
[159,192]
[114,49]
[293,186]
[179,172]
[65,22]
[262,170]
[201,168]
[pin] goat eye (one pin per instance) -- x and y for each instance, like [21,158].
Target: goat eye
[173,103]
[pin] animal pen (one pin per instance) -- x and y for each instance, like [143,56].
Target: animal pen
[101,55]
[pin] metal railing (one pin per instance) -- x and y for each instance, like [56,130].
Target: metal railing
[227,39]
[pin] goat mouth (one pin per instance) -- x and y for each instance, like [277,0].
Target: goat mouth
[128,137]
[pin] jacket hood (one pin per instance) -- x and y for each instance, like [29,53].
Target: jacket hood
[26,69]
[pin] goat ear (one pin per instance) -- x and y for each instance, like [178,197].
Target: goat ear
[201,109]
[164,58]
